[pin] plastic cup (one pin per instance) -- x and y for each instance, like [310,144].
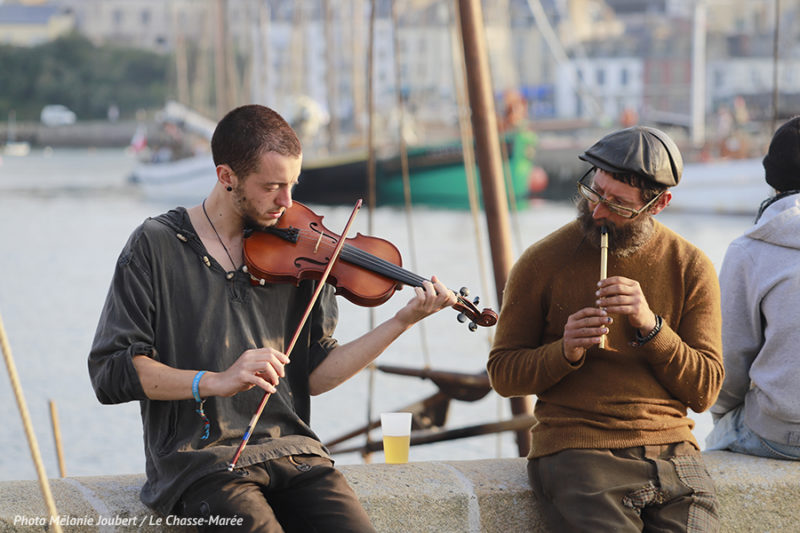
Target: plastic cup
[396,428]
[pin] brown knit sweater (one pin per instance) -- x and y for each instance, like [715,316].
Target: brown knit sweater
[622,396]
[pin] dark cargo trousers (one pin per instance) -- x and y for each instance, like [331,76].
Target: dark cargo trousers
[645,488]
[300,493]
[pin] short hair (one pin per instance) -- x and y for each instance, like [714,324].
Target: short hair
[246,133]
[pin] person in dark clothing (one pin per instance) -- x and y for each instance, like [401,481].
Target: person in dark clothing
[186,333]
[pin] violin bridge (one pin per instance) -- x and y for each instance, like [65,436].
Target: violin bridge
[316,246]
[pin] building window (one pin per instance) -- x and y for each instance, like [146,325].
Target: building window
[145,16]
[116,17]
[623,77]
[601,76]
[719,78]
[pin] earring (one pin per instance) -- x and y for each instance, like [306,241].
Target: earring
[229,188]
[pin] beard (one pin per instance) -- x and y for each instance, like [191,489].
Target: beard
[623,240]
[249,214]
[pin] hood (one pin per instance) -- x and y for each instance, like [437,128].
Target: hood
[779,224]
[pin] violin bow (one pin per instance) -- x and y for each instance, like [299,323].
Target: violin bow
[320,285]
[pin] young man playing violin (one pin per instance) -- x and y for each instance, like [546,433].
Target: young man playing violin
[185,332]
[612,446]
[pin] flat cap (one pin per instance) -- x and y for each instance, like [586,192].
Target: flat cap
[641,150]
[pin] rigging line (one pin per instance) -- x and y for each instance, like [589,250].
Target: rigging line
[465,128]
[561,57]
[404,169]
[511,196]
[371,189]
[775,56]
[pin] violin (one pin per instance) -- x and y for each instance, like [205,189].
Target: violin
[367,271]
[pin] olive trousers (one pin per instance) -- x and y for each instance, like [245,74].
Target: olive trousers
[645,488]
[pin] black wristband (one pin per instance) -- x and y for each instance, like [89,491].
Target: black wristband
[639,341]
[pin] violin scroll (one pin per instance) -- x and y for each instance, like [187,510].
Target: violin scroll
[467,309]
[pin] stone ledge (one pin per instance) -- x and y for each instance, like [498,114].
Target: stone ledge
[492,496]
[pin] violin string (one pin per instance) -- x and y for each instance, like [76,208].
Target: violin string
[382,266]
[217,234]
[365,259]
[399,273]
[370,261]
[373,263]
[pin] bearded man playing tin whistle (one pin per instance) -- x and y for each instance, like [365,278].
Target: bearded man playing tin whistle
[612,447]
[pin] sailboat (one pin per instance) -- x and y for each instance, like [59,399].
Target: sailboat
[436,172]
[178,167]
[436,169]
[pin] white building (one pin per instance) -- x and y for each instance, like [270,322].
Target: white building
[599,87]
[23,25]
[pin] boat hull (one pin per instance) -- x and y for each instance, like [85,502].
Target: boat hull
[183,182]
[437,177]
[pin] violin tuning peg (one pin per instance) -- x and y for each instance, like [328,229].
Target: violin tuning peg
[461,317]
[463,291]
[477,300]
[473,326]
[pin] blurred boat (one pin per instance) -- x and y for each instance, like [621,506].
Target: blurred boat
[437,176]
[730,187]
[175,165]
[183,181]
[171,172]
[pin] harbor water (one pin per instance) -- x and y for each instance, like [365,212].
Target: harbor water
[64,217]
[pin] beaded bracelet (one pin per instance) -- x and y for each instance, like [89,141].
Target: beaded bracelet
[643,340]
[200,402]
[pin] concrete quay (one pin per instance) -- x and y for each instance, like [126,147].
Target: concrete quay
[486,496]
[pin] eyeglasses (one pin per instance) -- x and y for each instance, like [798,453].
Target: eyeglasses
[595,197]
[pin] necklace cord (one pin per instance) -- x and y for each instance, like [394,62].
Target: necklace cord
[233,263]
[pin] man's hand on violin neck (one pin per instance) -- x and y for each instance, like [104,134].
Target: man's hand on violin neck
[433,296]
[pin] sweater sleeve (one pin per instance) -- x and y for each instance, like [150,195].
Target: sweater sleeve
[742,335]
[520,362]
[686,355]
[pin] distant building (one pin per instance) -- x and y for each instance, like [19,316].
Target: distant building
[599,87]
[587,59]
[145,24]
[30,25]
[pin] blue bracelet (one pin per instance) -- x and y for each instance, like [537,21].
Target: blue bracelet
[200,402]
[196,386]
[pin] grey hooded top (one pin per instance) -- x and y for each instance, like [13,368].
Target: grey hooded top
[170,300]
[760,282]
